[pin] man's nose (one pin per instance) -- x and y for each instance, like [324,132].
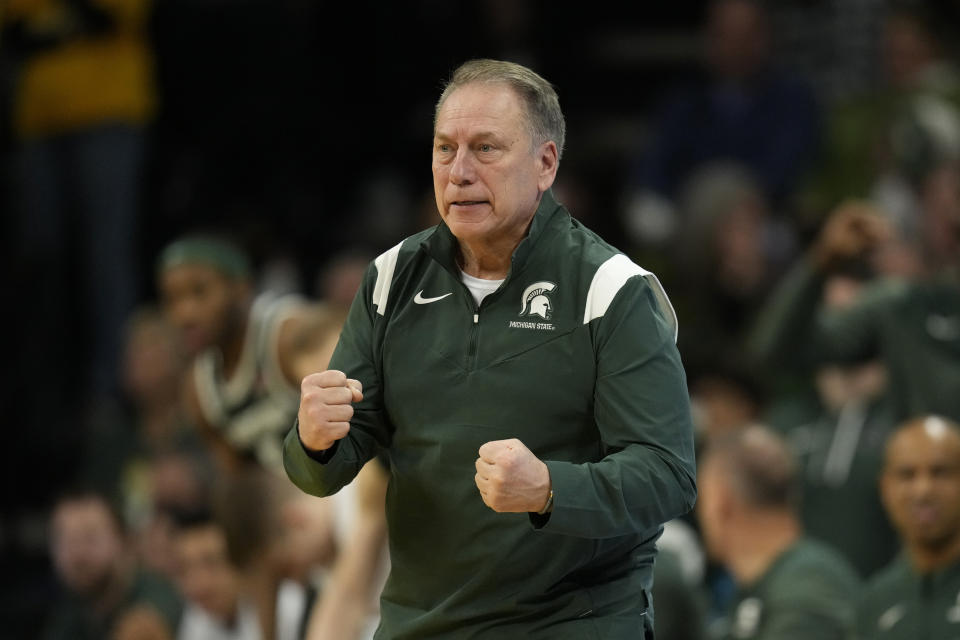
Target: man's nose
[462,170]
[183,312]
[922,485]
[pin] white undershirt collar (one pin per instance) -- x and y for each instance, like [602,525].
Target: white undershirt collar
[479,287]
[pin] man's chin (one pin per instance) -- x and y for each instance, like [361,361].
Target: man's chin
[89,589]
[935,538]
[468,227]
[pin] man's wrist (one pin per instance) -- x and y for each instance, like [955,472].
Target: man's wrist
[320,455]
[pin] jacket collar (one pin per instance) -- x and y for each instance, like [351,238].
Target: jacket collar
[442,246]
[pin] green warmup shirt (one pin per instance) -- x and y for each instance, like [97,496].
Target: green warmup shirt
[914,328]
[574,354]
[840,456]
[900,604]
[809,592]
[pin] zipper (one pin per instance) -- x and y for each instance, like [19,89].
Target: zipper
[474,338]
[475,325]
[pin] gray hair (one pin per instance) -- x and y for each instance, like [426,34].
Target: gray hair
[541,106]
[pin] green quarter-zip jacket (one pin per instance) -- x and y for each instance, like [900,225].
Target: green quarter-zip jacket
[903,604]
[575,356]
[808,592]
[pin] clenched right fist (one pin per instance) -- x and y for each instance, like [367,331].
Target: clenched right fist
[325,408]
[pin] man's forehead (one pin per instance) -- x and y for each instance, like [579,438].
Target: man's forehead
[82,512]
[192,272]
[927,441]
[492,105]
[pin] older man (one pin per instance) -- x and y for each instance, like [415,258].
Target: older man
[918,594]
[512,333]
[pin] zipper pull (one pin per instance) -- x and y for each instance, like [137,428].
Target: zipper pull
[476,318]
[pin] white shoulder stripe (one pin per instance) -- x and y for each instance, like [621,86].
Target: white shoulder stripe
[610,278]
[386,262]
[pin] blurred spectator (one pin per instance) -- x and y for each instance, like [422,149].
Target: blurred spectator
[250,350]
[281,542]
[84,96]
[210,584]
[789,586]
[838,441]
[151,420]
[153,367]
[170,482]
[916,595]
[729,253]
[309,543]
[745,109]
[912,326]
[107,594]
[831,42]
[879,143]
[724,398]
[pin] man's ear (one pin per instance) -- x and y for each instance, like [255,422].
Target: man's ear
[548,160]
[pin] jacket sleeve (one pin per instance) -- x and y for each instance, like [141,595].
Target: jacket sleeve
[647,474]
[326,473]
[795,332]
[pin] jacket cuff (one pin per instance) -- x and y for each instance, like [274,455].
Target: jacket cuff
[563,482]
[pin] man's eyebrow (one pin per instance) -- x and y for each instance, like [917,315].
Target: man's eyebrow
[479,135]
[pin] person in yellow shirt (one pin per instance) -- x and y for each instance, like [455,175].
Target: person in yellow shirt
[82,97]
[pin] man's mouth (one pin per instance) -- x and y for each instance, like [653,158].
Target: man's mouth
[467,203]
[925,514]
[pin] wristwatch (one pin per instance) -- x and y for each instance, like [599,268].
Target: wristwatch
[547,508]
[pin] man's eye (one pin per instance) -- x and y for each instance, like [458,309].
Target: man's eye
[443,148]
[486,148]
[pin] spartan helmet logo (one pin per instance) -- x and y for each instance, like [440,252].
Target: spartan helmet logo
[535,301]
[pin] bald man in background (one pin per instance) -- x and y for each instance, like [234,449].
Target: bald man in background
[917,595]
[789,587]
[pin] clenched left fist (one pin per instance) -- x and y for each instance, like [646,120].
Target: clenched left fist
[510,478]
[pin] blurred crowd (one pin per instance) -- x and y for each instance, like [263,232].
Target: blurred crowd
[193,190]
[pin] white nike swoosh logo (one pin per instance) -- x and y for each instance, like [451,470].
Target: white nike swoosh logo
[419,299]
